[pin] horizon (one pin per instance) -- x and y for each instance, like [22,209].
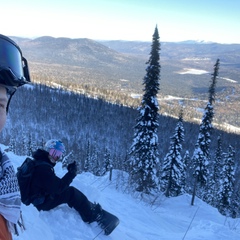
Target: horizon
[122,40]
[132,20]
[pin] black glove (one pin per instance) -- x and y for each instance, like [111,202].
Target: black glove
[72,167]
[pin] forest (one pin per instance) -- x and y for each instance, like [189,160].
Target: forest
[40,112]
[90,127]
[114,70]
[101,135]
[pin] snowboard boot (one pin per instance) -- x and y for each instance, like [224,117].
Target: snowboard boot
[107,221]
[96,210]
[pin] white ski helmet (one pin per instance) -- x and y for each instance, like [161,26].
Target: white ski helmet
[54,144]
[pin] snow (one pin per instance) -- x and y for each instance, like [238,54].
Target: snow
[135,95]
[193,71]
[164,219]
[229,79]
[196,59]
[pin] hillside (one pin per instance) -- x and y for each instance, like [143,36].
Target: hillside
[113,68]
[90,126]
[163,219]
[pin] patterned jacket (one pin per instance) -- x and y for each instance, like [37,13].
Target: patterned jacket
[10,201]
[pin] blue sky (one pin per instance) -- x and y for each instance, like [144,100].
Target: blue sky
[177,20]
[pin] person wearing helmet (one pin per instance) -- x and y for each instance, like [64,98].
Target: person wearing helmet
[48,190]
[13,74]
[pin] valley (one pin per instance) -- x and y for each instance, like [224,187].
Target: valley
[114,71]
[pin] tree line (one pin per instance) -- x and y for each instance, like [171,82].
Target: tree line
[148,175]
[99,135]
[90,126]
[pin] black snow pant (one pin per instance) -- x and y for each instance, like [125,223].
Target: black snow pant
[74,198]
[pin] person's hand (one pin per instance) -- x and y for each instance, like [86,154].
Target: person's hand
[72,167]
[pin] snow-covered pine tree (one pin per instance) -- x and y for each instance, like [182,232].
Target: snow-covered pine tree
[107,162]
[94,165]
[144,150]
[218,164]
[29,145]
[33,146]
[187,177]
[212,185]
[42,143]
[24,150]
[235,202]
[87,159]
[218,161]
[201,156]
[97,169]
[173,171]
[226,190]
[12,145]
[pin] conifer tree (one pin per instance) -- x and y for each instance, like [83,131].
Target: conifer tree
[25,149]
[97,168]
[12,146]
[29,145]
[201,156]
[214,176]
[144,150]
[187,177]
[173,171]
[225,193]
[235,200]
[94,164]
[87,160]
[218,164]
[107,162]
[42,144]
[33,146]
[218,160]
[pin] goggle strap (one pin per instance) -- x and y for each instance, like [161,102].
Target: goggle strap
[26,70]
[9,100]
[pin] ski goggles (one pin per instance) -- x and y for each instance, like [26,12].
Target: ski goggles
[14,70]
[55,154]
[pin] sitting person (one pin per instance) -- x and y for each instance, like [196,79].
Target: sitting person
[48,191]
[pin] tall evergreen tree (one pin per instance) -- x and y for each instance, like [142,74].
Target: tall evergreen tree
[12,146]
[87,160]
[225,194]
[107,162]
[173,171]
[235,200]
[144,150]
[218,160]
[97,168]
[187,177]
[201,156]
[214,176]
[94,164]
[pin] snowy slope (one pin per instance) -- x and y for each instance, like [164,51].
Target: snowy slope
[169,219]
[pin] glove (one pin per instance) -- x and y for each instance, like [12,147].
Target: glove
[72,168]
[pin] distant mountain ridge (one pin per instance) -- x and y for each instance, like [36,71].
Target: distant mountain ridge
[75,52]
[191,48]
[120,66]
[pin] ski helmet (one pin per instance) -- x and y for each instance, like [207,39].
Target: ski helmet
[55,148]
[13,66]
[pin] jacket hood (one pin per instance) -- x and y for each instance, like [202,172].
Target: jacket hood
[42,155]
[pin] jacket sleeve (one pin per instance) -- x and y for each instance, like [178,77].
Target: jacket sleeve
[49,183]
